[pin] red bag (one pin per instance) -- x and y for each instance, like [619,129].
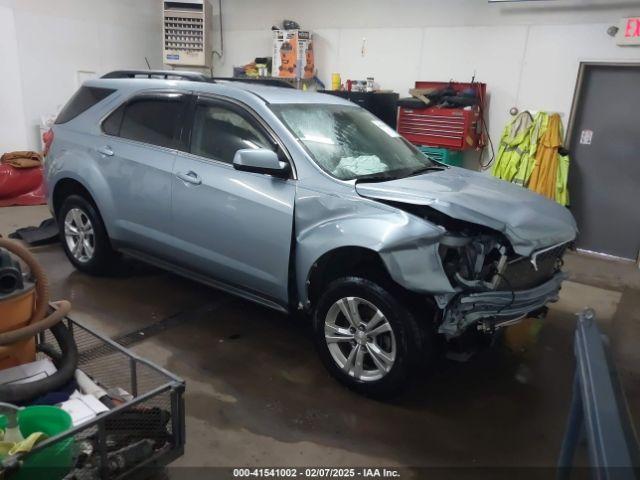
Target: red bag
[21,186]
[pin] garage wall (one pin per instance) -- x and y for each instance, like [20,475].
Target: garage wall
[55,45]
[13,133]
[528,53]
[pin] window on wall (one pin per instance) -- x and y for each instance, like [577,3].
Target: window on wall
[149,120]
[219,132]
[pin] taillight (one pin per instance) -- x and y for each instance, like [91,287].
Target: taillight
[47,138]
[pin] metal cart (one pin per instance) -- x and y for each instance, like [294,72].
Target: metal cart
[134,438]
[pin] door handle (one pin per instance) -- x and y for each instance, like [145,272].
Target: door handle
[189,177]
[106,150]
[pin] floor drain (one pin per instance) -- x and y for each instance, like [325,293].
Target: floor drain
[165,324]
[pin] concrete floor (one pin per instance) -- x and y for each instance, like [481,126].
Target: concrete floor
[257,394]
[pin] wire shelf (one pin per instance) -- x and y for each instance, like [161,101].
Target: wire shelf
[145,432]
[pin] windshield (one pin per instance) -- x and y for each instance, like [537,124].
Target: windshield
[349,143]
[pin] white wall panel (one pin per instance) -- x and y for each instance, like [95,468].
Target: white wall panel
[553,57]
[12,125]
[240,48]
[390,56]
[49,60]
[53,41]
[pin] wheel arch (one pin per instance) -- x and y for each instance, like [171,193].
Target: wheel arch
[81,176]
[72,185]
[66,187]
[340,262]
[404,250]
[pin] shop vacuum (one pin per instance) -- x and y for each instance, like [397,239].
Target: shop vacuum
[25,312]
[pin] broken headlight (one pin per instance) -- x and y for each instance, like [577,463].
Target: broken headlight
[473,262]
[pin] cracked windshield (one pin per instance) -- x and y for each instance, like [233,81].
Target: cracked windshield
[350,143]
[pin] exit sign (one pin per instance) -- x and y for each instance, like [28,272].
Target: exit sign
[629,31]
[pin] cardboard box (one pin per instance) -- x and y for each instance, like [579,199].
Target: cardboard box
[293,54]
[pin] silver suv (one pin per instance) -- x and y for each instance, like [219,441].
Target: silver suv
[301,202]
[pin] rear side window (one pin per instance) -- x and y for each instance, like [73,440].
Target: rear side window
[111,126]
[150,120]
[82,100]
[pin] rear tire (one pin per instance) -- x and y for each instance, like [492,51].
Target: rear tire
[84,237]
[374,351]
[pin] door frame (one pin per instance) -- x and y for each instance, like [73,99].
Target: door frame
[575,105]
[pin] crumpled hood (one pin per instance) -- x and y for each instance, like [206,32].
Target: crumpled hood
[530,221]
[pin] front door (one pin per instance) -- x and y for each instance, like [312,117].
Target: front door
[605,164]
[138,152]
[230,225]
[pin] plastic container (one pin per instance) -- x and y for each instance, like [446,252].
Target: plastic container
[15,311]
[335,81]
[449,157]
[53,462]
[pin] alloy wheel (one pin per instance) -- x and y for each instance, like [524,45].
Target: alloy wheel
[79,236]
[360,339]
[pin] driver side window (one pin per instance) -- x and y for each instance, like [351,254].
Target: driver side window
[219,132]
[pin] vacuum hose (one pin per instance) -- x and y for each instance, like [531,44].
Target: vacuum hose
[39,322]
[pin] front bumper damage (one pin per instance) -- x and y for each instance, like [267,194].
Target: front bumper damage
[498,307]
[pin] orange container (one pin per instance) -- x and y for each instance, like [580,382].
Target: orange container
[15,312]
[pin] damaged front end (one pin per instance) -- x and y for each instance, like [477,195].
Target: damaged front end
[494,286]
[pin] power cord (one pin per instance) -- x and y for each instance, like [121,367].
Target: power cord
[485,129]
[485,166]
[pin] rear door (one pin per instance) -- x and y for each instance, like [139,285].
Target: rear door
[230,225]
[138,152]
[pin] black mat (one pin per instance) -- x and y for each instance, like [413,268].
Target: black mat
[44,234]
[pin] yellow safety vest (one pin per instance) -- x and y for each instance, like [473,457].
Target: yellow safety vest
[527,162]
[514,144]
[528,155]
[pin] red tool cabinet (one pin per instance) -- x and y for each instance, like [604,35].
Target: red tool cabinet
[453,128]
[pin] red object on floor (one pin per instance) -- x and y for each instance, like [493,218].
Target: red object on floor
[21,186]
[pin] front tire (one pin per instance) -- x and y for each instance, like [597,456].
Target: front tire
[366,338]
[84,237]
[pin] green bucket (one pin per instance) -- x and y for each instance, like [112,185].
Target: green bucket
[53,462]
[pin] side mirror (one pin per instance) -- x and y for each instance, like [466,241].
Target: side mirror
[260,160]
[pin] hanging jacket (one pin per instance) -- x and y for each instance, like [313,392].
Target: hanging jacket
[514,144]
[545,172]
[562,192]
[528,160]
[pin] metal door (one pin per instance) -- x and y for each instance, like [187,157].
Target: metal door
[604,178]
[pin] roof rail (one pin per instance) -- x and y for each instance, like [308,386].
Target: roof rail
[274,82]
[165,74]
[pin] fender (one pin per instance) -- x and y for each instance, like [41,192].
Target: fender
[80,165]
[407,245]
